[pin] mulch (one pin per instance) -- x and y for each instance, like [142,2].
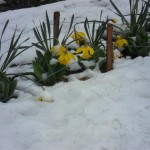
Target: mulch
[19,4]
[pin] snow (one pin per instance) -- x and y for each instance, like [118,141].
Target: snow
[92,111]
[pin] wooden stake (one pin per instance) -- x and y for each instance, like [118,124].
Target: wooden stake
[109,50]
[56,26]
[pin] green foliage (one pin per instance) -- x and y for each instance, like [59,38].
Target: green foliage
[45,72]
[15,48]
[136,29]
[94,31]
[69,32]
[138,46]
[138,18]
[95,34]
[7,84]
[44,35]
[7,87]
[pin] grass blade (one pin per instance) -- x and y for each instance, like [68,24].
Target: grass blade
[48,28]
[119,13]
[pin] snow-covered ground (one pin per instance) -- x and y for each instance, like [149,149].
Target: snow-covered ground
[109,111]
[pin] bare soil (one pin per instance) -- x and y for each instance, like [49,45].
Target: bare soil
[18,4]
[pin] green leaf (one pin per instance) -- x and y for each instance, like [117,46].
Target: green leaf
[47,57]
[6,89]
[101,15]
[48,28]
[101,63]
[13,49]
[98,53]
[119,12]
[93,31]
[59,71]
[39,54]
[59,31]
[44,36]
[51,76]
[3,32]
[38,70]
[1,87]
[87,29]
[38,46]
[6,24]
[12,88]
[13,54]
[39,38]
[143,51]
[69,31]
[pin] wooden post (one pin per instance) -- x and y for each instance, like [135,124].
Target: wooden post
[56,26]
[109,50]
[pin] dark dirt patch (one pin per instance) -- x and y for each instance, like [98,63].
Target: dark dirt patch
[18,4]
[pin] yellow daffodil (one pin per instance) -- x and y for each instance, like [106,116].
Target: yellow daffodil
[114,20]
[79,37]
[120,42]
[65,56]
[40,98]
[55,49]
[45,96]
[87,51]
[62,50]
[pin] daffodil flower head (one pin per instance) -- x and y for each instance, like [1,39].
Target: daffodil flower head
[62,49]
[45,96]
[40,98]
[65,56]
[114,20]
[55,49]
[120,42]
[87,51]
[79,37]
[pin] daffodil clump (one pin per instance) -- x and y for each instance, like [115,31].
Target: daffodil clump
[65,57]
[85,49]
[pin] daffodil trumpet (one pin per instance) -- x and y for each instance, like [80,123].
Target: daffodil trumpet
[79,37]
[120,42]
[65,56]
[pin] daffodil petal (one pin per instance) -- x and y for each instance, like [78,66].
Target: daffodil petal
[120,42]
[78,36]
[61,50]
[72,56]
[79,50]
